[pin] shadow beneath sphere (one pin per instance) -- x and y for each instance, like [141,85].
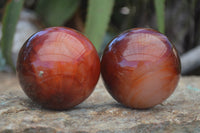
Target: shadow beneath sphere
[28,103]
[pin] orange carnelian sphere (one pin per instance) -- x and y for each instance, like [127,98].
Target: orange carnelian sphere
[58,68]
[140,68]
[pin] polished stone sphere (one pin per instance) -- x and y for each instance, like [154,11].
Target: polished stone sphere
[140,68]
[58,68]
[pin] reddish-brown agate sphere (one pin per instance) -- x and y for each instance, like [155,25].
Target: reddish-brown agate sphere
[140,68]
[58,68]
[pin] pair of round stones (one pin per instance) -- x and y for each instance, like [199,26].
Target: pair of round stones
[59,67]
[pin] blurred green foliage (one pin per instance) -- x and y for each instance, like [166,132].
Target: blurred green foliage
[2,62]
[101,20]
[160,7]
[56,12]
[98,17]
[10,19]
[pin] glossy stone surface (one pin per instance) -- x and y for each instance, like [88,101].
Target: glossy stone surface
[140,68]
[58,67]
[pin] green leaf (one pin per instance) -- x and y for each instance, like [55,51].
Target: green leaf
[10,19]
[98,17]
[160,13]
[56,12]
